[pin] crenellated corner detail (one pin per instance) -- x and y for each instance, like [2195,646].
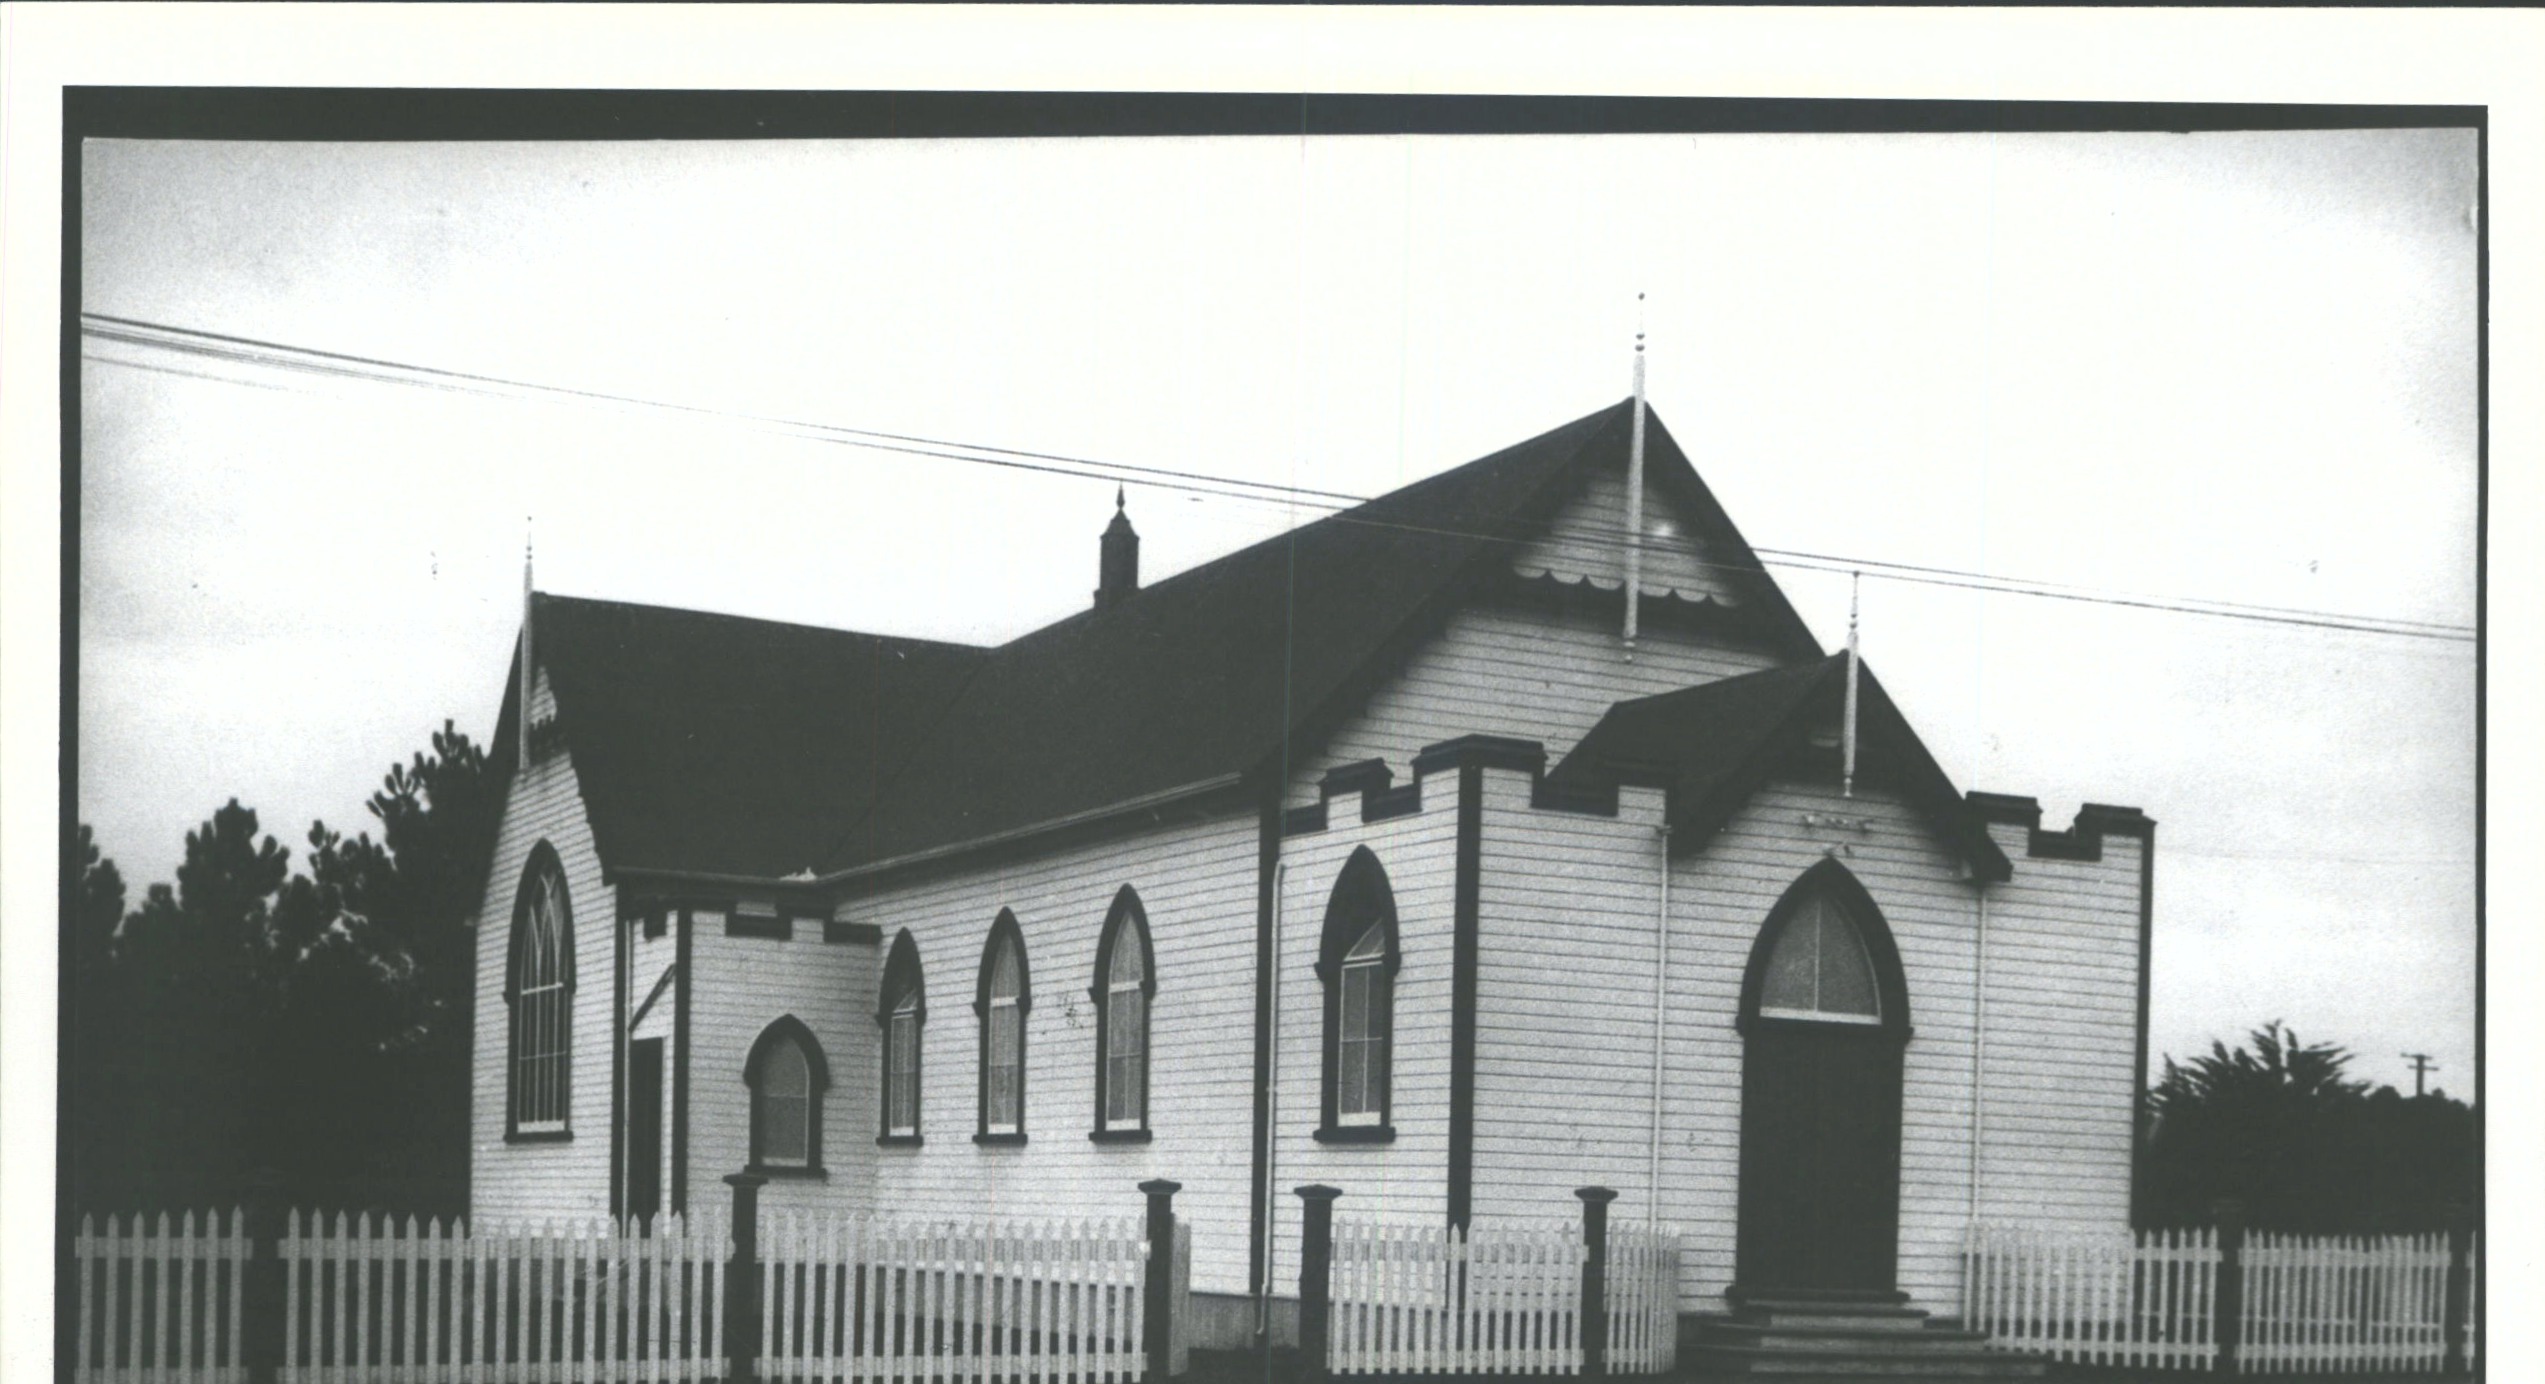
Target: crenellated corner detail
[2082,841]
[1382,798]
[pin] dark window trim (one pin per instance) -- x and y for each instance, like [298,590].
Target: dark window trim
[784,1029]
[1361,897]
[1126,913]
[899,1141]
[902,976]
[542,857]
[1004,930]
[1119,1136]
[834,930]
[1013,1139]
[1890,981]
[1357,1134]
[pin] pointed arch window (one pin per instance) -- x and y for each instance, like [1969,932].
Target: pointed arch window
[1005,997]
[1820,969]
[788,1077]
[1126,981]
[1826,956]
[539,991]
[902,1012]
[1357,960]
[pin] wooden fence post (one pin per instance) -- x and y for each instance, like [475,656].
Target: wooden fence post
[1595,1202]
[1159,1290]
[2460,1285]
[261,1343]
[1316,1260]
[2227,1311]
[742,1280]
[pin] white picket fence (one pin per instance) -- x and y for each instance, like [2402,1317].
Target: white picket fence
[2122,1298]
[368,1301]
[1432,1299]
[853,1299]
[160,1300]
[863,1298]
[2310,1303]
[2344,1302]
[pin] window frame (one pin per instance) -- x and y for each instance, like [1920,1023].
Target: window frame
[1361,903]
[1837,886]
[1005,935]
[904,990]
[1125,919]
[787,1030]
[543,869]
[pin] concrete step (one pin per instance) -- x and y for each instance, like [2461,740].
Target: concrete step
[1824,1336]
[1792,1366]
[1855,1312]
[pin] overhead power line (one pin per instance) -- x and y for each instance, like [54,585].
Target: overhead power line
[369,369]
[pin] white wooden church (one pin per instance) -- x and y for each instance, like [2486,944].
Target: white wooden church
[1452,850]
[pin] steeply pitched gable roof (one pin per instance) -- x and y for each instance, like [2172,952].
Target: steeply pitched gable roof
[724,745]
[1713,745]
[748,748]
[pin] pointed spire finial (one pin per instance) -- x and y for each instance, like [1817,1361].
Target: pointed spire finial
[1117,497]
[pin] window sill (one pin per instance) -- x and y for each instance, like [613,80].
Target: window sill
[1000,1141]
[540,1136]
[1118,1136]
[1357,1134]
[788,1171]
[899,1141]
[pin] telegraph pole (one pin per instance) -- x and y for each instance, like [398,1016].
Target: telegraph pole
[2421,1064]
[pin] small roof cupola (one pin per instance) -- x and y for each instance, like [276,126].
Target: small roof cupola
[1118,566]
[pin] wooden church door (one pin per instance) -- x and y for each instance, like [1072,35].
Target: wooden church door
[1824,1019]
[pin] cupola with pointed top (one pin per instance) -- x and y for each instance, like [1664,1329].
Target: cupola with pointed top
[1118,564]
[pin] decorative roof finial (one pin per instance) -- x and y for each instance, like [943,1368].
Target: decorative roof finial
[1117,497]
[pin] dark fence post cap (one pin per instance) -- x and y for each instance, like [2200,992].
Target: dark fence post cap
[746,1180]
[1318,1191]
[1599,1195]
[1161,1187]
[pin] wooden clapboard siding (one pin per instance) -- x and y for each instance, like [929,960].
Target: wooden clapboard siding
[1197,884]
[1566,1012]
[1536,674]
[570,1177]
[738,987]
[1568,907]
[2061,1037]
[1408,1178]
[1586,541]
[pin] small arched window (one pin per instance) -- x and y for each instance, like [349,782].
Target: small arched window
[1820,969]
[788,1077]
[1825,956]
[1357,960]
[539,988]
[1126,979]
[1004,1000]
[901,1011]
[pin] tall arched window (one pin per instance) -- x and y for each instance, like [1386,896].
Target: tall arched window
[901,1011]
[787,1076]
[1357,960]
[1005,997]
[539,988]
[1126,979]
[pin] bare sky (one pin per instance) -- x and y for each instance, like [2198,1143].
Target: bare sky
[2232,366]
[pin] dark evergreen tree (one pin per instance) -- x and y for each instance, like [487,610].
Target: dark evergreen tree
[2281,1127]
[317,1023]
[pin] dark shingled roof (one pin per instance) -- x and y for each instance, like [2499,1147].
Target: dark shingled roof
[1713,745]
[718,745]
[725,745]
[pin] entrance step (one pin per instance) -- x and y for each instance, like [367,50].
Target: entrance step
[1829,1338]
[1795,1366]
